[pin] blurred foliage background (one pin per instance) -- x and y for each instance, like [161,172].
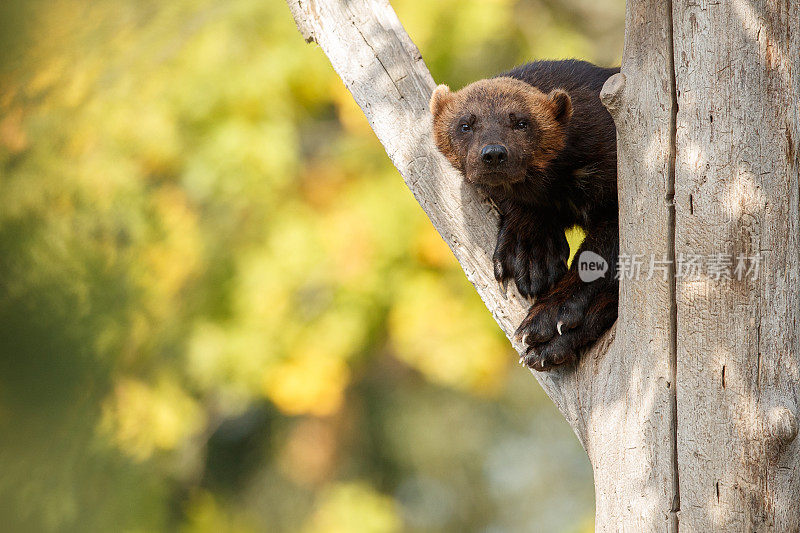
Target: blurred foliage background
[220,308]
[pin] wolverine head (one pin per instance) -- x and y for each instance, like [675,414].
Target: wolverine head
[494,130]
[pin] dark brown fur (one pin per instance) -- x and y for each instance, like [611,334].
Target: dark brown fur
[540,143]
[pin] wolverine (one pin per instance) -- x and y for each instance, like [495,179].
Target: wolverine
[539,143]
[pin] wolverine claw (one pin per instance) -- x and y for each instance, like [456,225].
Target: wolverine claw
[498,270]
[520,332]
[558,326]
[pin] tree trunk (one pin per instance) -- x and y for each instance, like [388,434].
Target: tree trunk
[738,94]
[731,438]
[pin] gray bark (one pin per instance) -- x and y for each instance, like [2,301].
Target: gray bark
[737,187]
[621,399]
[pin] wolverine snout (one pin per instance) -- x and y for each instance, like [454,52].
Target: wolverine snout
[494,154]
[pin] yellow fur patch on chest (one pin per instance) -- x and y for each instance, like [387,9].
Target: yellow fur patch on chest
[575,236]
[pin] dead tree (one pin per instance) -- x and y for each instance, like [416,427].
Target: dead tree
[688,408]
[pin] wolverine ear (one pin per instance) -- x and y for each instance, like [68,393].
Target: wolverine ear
[562,105]
[441,95]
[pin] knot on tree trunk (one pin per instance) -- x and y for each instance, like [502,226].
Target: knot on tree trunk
[611,94]
[782,425]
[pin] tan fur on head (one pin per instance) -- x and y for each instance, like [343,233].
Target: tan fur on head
[562,105]
[499,98]
[440,97]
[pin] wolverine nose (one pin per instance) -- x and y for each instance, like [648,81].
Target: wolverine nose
[494,154]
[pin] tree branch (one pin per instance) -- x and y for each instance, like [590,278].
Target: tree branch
[384,71]
[619,399]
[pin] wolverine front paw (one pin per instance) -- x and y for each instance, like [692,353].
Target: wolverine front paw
[535,261]
[556,331]
[560,350]
[552,333]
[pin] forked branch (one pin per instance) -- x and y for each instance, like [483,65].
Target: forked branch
[385,73]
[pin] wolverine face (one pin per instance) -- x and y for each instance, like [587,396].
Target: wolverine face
[494,130]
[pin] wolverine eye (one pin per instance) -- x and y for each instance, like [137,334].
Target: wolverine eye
[465,128]
[521,125]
